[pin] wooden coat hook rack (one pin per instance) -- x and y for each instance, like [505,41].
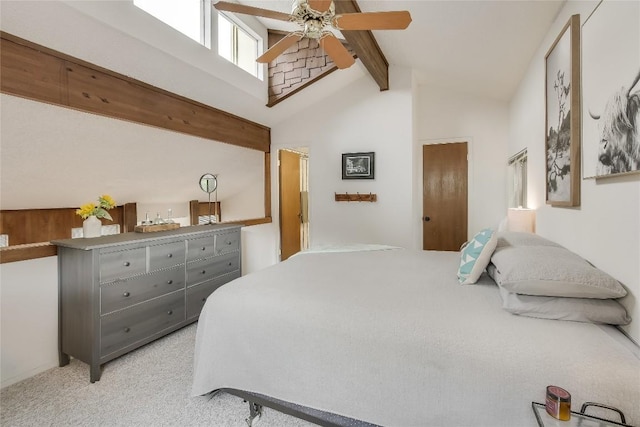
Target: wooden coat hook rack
[349,197]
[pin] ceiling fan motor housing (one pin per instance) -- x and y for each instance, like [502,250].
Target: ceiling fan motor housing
[311,20]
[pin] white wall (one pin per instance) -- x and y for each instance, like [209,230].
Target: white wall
[447,116]
[358,119]
[28,318]
[394,124]
[605,228]
[58,157]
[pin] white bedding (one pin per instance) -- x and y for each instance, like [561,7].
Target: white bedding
[390,337]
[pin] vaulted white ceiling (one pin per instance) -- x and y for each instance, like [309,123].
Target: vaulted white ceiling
[481,47]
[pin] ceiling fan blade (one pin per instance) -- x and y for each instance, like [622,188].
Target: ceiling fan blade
[397,20]
[277,49]
[320,5]
[250,10]
[336,50]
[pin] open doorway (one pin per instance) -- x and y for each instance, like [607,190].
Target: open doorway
[293,172]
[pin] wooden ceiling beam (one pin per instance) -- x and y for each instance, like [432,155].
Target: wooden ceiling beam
[365,46]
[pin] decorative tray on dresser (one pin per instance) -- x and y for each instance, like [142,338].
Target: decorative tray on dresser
[119,292]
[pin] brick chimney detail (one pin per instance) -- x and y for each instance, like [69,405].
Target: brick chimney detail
[299,66]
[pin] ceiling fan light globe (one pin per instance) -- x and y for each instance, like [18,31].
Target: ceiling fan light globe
[313,28]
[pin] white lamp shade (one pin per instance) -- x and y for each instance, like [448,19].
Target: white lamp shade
[521,219]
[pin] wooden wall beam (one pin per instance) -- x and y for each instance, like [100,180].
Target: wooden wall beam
[31,230]
[129,217]
[28,226]
[36,72]
[365,46]
[25,252]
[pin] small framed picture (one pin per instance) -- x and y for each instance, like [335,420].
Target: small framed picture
[358,165]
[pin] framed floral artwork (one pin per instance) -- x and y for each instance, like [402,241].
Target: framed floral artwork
[562,122]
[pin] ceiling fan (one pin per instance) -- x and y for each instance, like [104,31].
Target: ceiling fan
[314,17]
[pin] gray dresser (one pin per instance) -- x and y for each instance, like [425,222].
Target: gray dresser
[117,293]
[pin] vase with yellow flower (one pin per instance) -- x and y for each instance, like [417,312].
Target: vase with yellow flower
[91,212]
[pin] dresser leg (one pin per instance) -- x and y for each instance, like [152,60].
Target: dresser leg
[63,359]
[94,373]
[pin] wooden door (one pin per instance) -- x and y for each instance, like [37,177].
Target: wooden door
[290,207]
[444,200]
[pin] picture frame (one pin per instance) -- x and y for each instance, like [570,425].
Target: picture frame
[562,117]
[358,165]
[611,90]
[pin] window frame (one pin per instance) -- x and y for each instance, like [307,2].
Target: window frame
[518,179]
[239,25]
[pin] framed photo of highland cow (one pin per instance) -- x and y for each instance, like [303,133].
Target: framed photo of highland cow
[562,123]
[611,90]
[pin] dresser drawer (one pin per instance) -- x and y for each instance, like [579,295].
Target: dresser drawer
[207,269]
[203,247]
[197,295]
[122,264]
[124,293]
[227,242]
[167,255]
[124,328]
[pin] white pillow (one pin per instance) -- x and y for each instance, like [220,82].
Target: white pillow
[551,271]
[520,238]
[588,310]
[475,256]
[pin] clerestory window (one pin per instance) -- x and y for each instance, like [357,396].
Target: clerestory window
[186,16]
[237,45]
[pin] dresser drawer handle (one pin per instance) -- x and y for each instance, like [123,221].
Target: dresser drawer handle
[126,294]
[169,282]
[204,299]
[170,256]
[230,264]
[204,248]
[127,263]
[229,242]
[170,312]
[127,329]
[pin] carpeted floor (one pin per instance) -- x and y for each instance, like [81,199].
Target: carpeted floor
[147,387]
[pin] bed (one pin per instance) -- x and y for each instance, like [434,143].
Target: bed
[391,337]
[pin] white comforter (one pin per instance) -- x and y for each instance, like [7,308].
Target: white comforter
[391,338]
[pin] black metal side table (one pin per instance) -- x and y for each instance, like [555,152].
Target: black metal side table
[578,419]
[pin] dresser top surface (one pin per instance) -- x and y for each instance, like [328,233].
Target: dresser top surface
[134,237]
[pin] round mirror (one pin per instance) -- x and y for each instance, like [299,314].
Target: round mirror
[208,183]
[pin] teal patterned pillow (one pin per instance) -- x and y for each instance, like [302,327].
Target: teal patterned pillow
[475,256]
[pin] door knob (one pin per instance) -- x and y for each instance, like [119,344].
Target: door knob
[427,219]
